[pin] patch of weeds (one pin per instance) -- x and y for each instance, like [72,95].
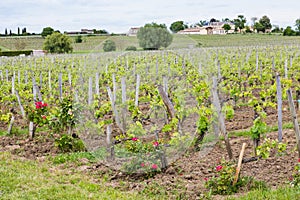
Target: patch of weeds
[68,143]
[72,157]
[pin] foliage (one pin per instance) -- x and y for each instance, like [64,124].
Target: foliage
[288,31]
[58,43]
[71,157]
[295,179]
[265,148]
[67,115]
[47,31]
[68,143]
[226,27]
[240,22]
[153,36]
[177,26]
[258,128]
[78,39]
[297,24]
[38,114]
[131,48]
[264,23]
[15,53]
[109,45]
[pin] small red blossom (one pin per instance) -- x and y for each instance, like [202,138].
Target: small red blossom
[219,167]
[142,164]
[44,117]
[40,104]
[206,179]
[134,139]
[299,160]
[155,144]
[154,166]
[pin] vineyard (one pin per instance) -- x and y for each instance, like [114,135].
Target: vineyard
[160,120]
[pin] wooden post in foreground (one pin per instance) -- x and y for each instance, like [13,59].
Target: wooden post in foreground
[238,169]
[294,118]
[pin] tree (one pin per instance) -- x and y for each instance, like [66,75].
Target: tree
[240,22]
[78,39]
[297,24]
[109,45]
[5,31]
[289,31]
[47,31]
[259,27]
[153,36]
[202,23]
[18,30]
[226,27]
[265,22]
[58,43]
[177,26]
[24,32]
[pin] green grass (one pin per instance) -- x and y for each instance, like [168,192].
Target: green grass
[247,133]
[22,179]
[284,193]
[95,43]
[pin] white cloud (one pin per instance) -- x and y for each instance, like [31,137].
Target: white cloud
[119,15]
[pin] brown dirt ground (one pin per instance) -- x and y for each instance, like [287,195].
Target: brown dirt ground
[187,174]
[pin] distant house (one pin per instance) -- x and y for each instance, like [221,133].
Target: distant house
[87,31]
[213,28]
[133,31]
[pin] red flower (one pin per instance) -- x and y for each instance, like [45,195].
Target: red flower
[40,104]
[206,179]
[299,160]
[142,164]
[45,105]
[155,144]
[219,167]
[44,117]
[134,139]
[154,166]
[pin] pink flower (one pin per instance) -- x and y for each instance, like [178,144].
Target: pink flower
[142,164]
[44,117]
[155,144]
[154,166]
[134,139]
[206,179]
[219,167]
[45,105]
[299,160]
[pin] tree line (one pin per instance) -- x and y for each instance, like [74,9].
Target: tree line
[257,25]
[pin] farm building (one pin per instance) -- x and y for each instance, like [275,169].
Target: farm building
[133,31]
[213,28]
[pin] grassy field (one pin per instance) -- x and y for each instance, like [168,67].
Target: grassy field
[95,43]
[23,179]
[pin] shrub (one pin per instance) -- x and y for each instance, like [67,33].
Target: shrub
[78,39]
[109,45]
[131,48]
[68,143]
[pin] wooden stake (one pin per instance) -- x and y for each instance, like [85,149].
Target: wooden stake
[238,169]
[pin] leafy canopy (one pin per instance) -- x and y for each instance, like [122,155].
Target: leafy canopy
[153,36]
[177,26]
[47,31]
[58,43]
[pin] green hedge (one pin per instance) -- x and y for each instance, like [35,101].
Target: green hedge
[15,53]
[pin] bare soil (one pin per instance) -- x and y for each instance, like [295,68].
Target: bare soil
[187,174]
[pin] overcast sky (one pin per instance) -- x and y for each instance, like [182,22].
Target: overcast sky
[117,16]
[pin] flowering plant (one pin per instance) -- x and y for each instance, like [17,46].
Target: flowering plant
[222,183]
[38,114]
[295,179]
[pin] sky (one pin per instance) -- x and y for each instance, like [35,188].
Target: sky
[117,16]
